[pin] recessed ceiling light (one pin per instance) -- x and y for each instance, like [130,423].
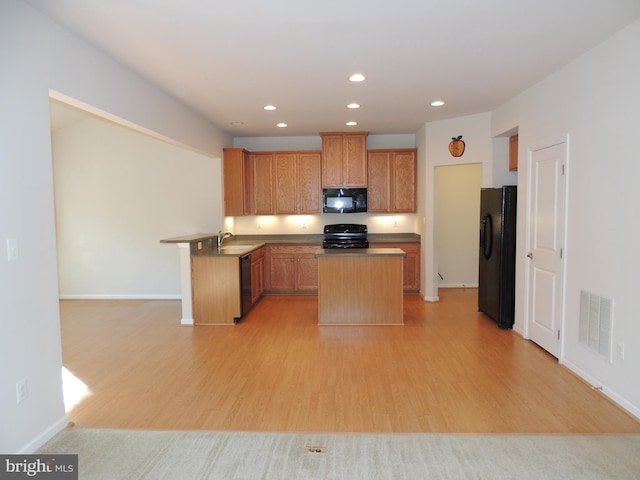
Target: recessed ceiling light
[357,77]
[270,107]
[437,103]
[353,105]
[281,125]
[352,124]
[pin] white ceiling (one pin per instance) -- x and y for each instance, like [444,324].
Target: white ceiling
[227,59]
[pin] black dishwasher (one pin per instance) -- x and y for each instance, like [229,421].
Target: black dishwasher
[245,283]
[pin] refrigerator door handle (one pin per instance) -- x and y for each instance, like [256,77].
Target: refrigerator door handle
[486,235]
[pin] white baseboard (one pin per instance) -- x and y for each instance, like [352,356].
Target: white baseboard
[621,401]
[145,296]
[519,331]
[457,285]
[45,436]
[430,299]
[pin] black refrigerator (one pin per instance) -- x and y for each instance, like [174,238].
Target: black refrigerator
[497,258]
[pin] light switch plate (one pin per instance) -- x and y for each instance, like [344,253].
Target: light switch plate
[13,253]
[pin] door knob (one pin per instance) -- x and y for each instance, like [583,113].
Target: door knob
[530,255]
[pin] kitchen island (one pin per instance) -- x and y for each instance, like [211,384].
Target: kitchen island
[360,286]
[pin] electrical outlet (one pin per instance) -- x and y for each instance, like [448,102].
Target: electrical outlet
[620,350]
[21,390]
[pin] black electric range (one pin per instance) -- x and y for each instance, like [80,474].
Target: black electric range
[345,235]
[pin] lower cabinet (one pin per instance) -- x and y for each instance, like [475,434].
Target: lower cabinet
[275,269]
[215,284]
[257,274]
[292,269]
[410,264]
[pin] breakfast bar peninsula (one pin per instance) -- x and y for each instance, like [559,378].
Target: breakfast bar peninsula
[360,286]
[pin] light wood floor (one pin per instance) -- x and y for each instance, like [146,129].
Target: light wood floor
[448,369]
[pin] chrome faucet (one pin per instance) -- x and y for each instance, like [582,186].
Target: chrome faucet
[221,238]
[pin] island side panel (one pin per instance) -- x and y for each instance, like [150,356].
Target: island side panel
[185,283]
[216,290]
[360,290]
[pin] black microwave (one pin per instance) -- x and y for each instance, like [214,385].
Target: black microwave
[344,200]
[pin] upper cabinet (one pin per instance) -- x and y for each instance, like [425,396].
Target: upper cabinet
[344,159]
[263,195]
[392,181]
[513,153]
[297,177]
[236,173]
[267,183]
[291,182]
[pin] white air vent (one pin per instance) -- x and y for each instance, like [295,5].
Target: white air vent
[595,329]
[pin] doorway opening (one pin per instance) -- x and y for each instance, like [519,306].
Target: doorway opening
[457,206]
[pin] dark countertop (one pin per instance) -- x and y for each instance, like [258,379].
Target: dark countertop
[360,252]
[196,237]
[393,238]
[234,245]
[318,237]
[229,249]
[282,239]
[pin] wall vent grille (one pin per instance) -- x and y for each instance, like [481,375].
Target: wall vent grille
[596,324]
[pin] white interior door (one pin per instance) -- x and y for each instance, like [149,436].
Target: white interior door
[546,239]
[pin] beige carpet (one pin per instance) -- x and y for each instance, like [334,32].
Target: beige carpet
[118,454]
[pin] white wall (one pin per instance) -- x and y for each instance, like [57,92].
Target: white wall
[29,324]
[476,133]
[457,212]
[36,55]
[118,192]
[314,142]
[595,100]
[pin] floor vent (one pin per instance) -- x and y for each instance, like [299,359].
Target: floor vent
[595,329]
[315,449]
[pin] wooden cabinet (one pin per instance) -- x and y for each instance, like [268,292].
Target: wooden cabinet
[267,183]
[410,264]
[513,152]
[297,182]
[216,286]
[280,271]
[361,288]
[392,181]
[292,269]
[236,173]
[344,159]
[257,274]
[216,289]
[307,272]
[262,181]
[248,183]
